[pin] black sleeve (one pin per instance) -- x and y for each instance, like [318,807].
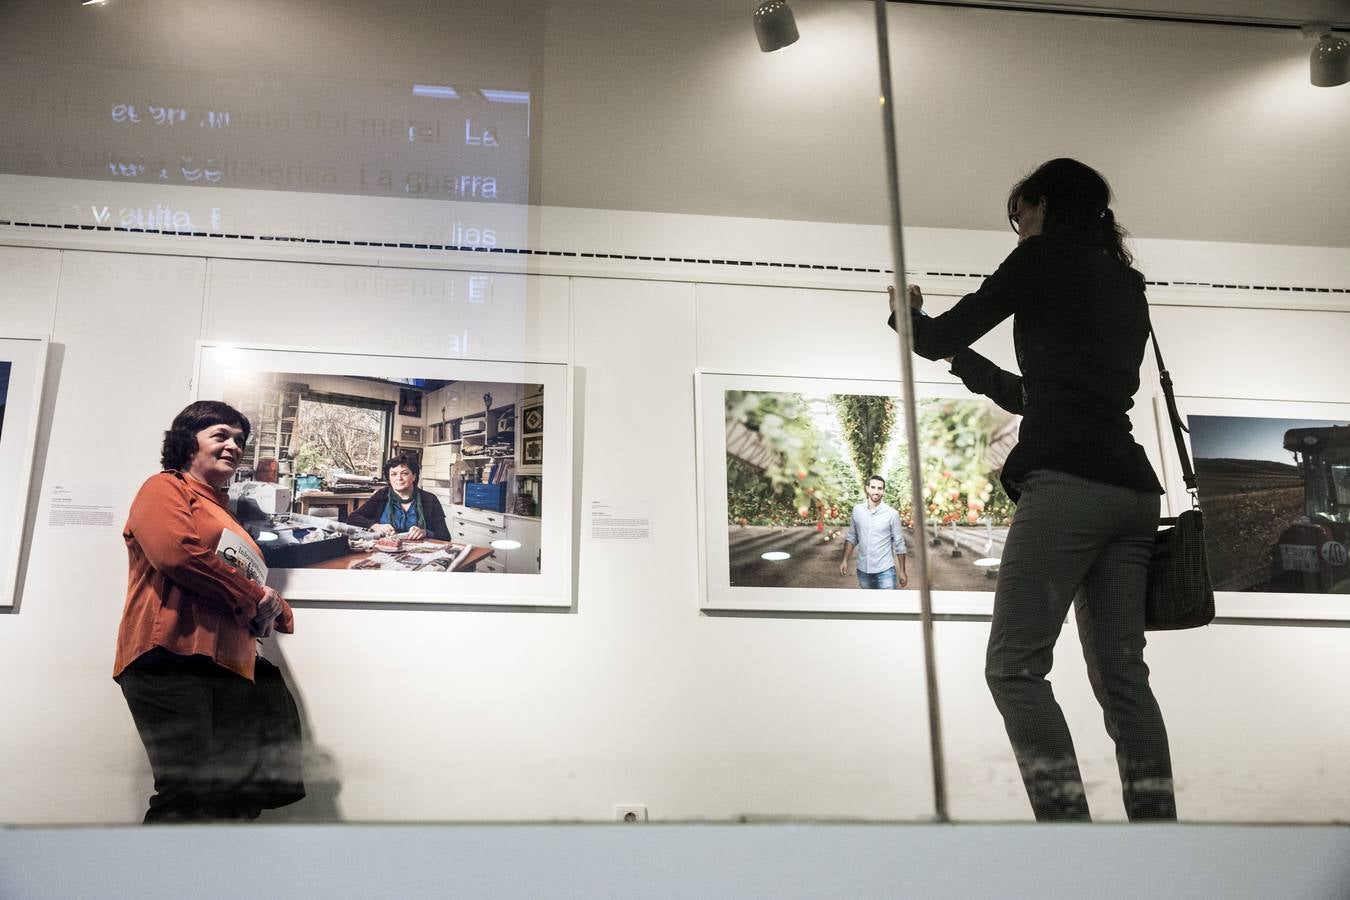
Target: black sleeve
[435,516]
[983,377]
[974,315]
[368,513]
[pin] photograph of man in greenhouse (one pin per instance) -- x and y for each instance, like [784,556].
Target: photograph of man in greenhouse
[795,461]
[874,530]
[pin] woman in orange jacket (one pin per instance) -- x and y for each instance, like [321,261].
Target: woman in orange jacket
[195,605]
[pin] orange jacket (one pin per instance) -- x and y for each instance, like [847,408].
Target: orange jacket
[180,594]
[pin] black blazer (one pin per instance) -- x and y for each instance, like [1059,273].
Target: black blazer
[1080,326]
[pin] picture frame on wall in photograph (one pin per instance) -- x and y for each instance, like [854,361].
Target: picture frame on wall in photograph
[325,421]
[1273,481]
[532,450]
[410,434]
[532,418]
[23,366]
[782,466]
[410,403]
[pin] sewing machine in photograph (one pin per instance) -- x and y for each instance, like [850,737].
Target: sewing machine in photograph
[256,499]
[288,540]
[293,541]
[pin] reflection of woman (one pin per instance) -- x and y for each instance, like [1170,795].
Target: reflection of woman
[403,507]
[1087,498]
[185,646]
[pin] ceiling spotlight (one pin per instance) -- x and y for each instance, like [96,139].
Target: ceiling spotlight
[1329,64]
[775,28]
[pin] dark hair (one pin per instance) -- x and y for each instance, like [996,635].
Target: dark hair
[872,478]
[1077,203]
[401,460]
[180,441]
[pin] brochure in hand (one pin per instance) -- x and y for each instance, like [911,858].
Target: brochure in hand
[240,553]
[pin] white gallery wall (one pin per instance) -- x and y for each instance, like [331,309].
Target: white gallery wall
[632,696]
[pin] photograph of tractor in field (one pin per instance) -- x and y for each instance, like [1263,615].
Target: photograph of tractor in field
[1276,497]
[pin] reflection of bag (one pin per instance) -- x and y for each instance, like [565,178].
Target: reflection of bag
[1180,594]
[277,779]
[1179,591]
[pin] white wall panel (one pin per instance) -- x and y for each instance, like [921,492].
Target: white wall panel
[401,311]
[28,280]
[633,696]
[758,716]
[1252,717]
[1256,353]
[752,330]
[1241,702]
[122,338]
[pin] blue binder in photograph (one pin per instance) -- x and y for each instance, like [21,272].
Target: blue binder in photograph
[485,496]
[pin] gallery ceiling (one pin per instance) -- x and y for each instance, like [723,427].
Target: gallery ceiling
[1287,12]
[1206,131]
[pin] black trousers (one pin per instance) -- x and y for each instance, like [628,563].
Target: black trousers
[1080,542]
[199,729]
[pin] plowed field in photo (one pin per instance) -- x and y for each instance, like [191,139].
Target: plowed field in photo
[1247,503]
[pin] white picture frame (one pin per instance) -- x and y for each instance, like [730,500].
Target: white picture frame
[552,586]
[717,593]
[1269,417]
[25,360]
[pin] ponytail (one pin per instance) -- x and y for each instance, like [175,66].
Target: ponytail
[1113,238]
[1077,200]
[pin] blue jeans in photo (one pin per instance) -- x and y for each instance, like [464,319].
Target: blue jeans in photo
[882,580]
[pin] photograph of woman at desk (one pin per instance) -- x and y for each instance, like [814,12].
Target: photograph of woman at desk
[356,469]
[402,507]
[399,528]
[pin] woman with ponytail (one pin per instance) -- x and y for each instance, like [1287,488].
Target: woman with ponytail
[1087,498]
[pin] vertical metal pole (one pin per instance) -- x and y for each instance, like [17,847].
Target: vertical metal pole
[905,343]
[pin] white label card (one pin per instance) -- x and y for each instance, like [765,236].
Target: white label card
[628,521]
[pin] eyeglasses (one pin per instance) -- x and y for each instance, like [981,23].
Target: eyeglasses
[1012,220]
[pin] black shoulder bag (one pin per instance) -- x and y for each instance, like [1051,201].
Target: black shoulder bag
[1180,594]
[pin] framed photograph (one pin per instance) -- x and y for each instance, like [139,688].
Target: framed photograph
[532,451]
[1273,480]
[410,403]
[331,417]
[23,364]
[410,434]
[784,468]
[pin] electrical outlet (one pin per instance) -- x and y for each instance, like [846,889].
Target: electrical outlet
[629,812]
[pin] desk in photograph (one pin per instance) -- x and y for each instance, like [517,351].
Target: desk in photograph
[345,501]
[469,563]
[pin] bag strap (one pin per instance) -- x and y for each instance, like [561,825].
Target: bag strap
[1188,473]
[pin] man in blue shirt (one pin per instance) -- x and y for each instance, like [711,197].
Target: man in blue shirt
[874,528]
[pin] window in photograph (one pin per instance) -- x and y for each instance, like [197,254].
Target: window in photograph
[349,434]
